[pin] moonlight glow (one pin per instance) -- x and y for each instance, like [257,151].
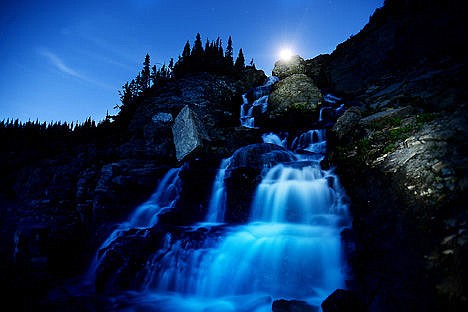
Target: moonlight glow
[286,54]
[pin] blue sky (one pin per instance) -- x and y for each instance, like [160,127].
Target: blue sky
[66,60]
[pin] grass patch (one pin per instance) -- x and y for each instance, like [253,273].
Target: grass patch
[399,134]
[389,148]
[423,118]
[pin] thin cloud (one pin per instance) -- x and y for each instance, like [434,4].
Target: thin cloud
[104,59]
[60,65]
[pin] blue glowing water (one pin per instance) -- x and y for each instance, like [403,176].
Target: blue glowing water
[260,101]
[289,249]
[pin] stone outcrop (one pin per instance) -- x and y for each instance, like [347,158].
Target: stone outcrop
[346,124]
[289,67]
[296,95]
[189,133]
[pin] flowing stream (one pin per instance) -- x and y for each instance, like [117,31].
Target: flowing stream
[289,248]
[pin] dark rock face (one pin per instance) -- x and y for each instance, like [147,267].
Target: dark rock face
[342,301]
[404,38]
[292,306]
[315,69]
[401,159]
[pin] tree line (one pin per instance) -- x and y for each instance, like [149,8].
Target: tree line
[210,58]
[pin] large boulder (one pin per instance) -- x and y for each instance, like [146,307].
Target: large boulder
[296,94]
[189,133]
[347,123]
[292,66]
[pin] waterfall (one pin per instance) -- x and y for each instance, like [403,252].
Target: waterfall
[273,138]
[217,204]
[311,142]
[289,248]
[255,99]
[146,215]
[331,110]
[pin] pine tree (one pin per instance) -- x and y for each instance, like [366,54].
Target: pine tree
[197,50]
[145,73]
[154,73]
[171,64]
[240,62]
[126,94]
[139,84]
[186,52]
[228,54]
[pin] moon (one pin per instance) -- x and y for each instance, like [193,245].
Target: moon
[285,54]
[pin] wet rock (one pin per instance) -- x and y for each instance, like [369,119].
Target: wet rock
[189,133]
[292,306]
[244,174]
[259,156]
[286,68]
[122,185]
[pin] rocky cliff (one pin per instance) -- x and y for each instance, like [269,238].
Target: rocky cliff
[401,152]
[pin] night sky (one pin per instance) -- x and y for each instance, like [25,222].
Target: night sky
[66,60]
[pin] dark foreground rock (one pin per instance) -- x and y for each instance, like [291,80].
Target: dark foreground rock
[342,300]
[292,306]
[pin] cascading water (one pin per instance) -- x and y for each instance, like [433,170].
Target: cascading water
[146,215]
[217,205]
[312,141]
[333,108]
[256,98]
[289,247]
[274,139]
